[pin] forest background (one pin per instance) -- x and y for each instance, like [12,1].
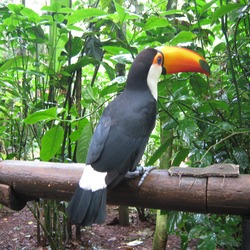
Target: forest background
[61,63]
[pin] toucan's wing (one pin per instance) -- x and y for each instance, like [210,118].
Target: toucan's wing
[133,152]
[99,139]
[112,150]
[121,135]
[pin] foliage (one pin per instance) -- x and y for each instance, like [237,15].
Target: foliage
[211,231]
[211,115]
[51,218]
[57,74]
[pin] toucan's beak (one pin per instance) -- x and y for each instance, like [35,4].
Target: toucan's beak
[178,59]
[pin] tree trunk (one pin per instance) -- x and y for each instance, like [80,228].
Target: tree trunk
[124,216]
[161,235]
[120,71]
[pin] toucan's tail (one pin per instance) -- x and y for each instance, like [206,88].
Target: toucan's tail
[87,207]
[88,204]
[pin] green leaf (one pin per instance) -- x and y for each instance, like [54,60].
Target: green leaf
[180,156]
[16,8]
[208,242]
[224,127]
[123,14]
[59,17]
[109,70]
[241,157]
[109,90]
[66,10]
[6,113]
[187,129]
[170,124]
[42,115]
[175,220]
[207,6]
[120,11]
[83,144]
[184,241]
[74,47]
[172,12]
[218,104]
[17,61]
[93,48]
[219,47]
[85,60]
[155,22]
[55,7]
[81,15]
[157,154]
[39,33]
[105,3]
[183,37]
[75,135]
[30,14]
[199,85]
[75,28]
[225,9]
[51,143]
[115,50]
[197,154]
[208,106]
[123,58]
[89,95]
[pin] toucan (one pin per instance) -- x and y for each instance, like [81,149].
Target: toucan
[123,130]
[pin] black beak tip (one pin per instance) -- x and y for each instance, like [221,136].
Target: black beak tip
[164,71]
[204,65]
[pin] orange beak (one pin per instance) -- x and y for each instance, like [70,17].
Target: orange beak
[178,59]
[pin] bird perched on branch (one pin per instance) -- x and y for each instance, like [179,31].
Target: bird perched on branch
[121,135]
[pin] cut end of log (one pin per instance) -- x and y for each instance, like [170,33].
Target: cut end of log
[9,199]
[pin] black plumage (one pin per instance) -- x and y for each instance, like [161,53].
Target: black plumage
[122,133]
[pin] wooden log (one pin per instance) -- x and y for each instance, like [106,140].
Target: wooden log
[33,180]
[232,195]
[9,199]
[161,191]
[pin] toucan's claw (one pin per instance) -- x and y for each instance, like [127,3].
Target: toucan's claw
[133,174]
[140,170]
[146,171]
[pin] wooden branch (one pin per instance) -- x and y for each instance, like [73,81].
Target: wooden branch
[22,181]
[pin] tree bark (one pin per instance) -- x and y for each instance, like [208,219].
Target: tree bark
[34,180]
[161,232]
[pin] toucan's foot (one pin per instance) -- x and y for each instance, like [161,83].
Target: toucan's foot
[140,171]
[146,171]
[133,174]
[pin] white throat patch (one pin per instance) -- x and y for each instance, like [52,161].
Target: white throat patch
[154,74]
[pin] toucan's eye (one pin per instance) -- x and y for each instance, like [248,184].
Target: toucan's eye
[159,60]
